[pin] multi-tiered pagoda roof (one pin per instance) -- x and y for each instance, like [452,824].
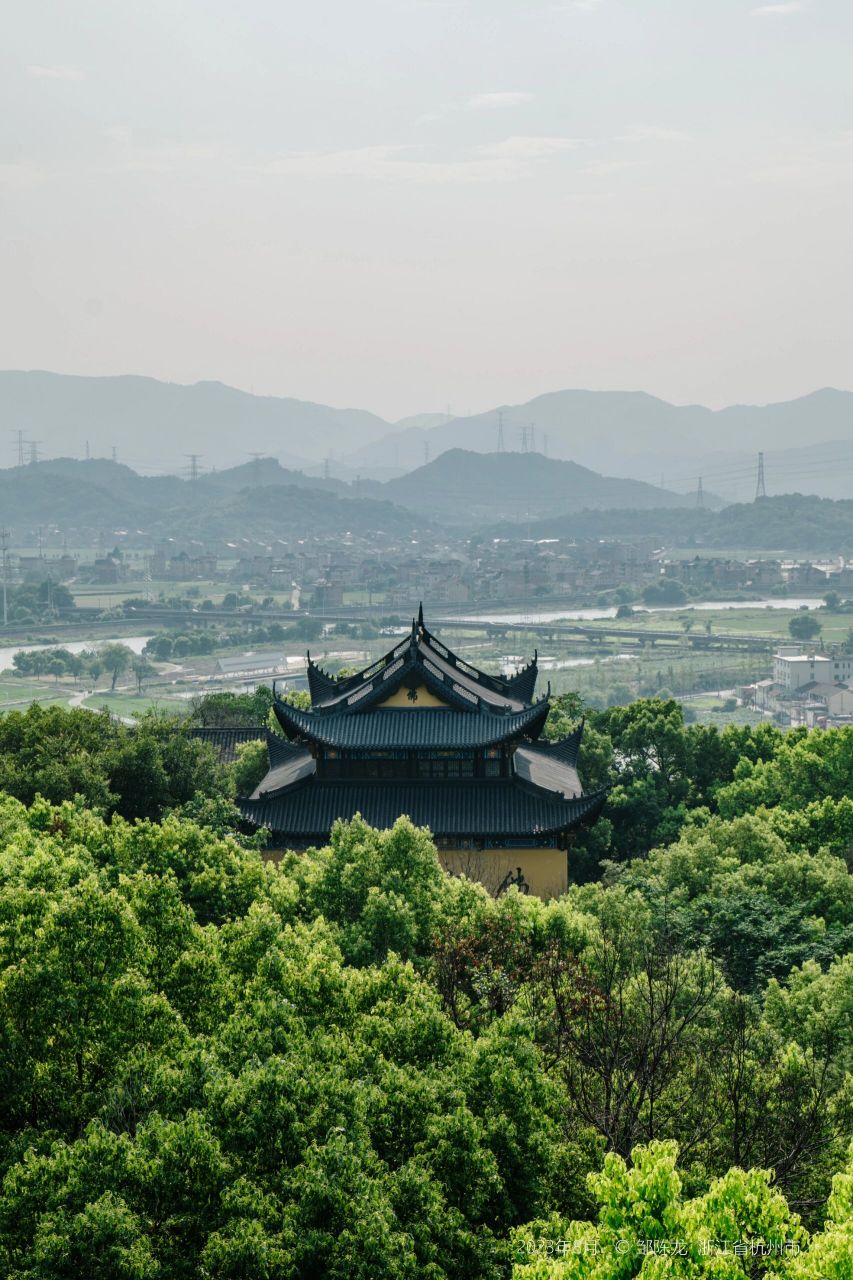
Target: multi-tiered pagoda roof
[424,733]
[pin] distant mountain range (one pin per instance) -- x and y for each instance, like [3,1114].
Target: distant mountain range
[808,443]
[155,426]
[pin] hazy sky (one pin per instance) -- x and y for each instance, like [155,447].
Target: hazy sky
[404,204]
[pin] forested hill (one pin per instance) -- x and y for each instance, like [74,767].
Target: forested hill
[791,522]
[475,488]
[258,501]
[501,494]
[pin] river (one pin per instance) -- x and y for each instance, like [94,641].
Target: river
[598,615]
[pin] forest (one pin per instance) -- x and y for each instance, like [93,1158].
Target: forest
[346,1063]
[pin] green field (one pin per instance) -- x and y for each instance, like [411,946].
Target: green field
[128,705]
[18,694]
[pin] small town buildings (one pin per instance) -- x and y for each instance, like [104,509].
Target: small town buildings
[812,689]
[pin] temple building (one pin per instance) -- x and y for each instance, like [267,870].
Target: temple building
[421,732]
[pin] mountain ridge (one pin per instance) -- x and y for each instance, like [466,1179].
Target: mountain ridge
[628,432]
[463,487]
[156,425]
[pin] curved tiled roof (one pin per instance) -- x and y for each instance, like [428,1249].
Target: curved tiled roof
[483,809]
[421,647]
[396,728]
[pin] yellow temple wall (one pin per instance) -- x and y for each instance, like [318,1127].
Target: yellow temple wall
[401,699]
[545,870]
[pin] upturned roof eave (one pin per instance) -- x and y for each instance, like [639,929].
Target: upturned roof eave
[323,685]
[328,730]
[571,813]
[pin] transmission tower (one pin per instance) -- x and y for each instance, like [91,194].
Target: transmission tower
[531,437]
[88,454]
[700,495]
[193,468]
[500,432]
[326,468]
[760,491]
[20,436]
[34,450]
[522,431]
[115,454]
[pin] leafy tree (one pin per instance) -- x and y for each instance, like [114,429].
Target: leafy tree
[199,1081]
[251,766]
[143,672]
[232,710]
[830,1251]
[139,771]
[646,1227]
[667,591]
[115,659]
[804,626]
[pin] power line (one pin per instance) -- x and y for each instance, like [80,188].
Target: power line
[4,548]
[730,474]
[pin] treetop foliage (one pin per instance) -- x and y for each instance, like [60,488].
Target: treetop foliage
[347,1063]
[344,1062]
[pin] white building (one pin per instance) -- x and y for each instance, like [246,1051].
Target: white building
[842,668]
[792,668]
